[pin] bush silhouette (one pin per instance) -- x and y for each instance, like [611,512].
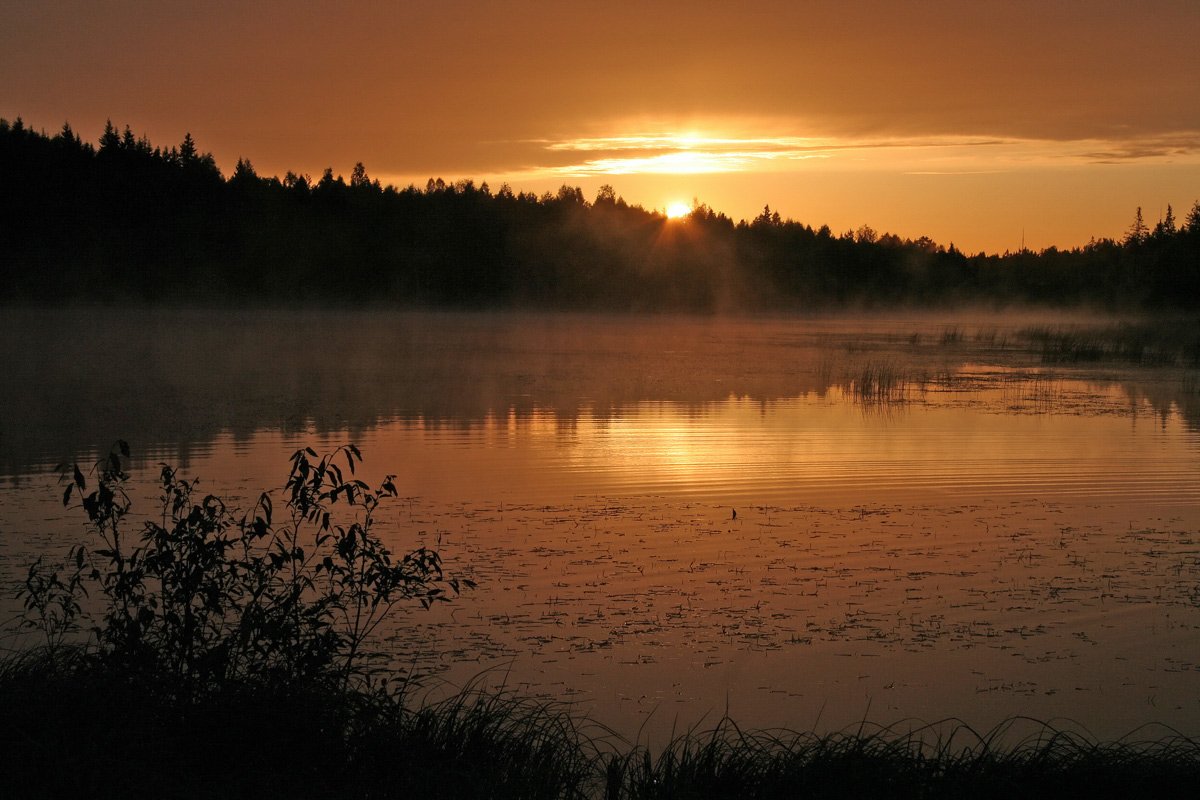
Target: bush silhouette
[207,598]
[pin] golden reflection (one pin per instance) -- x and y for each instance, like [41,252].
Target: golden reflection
[818,448]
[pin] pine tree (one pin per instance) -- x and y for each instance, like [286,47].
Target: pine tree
[110,142]
[187,150]
[243,173]
[1192,223]
[1138,232]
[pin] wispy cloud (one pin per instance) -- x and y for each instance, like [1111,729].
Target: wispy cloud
[692,153]
[687,162]
[678,154]
[1176,146]
[684,141]
[957,172]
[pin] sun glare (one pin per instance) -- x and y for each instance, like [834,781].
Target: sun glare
[678,210]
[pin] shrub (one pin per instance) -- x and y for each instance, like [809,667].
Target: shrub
[205,597]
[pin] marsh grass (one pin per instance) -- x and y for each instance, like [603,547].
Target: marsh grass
[882,382]
[946,759]
[1158,343]
[72,728]
[882,374]
[480,743]
[951,335]
[877,382]
[1033,392]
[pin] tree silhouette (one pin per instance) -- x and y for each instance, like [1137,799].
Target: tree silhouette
[1137,231]
[1166,226]
[125,221]
[1192,223]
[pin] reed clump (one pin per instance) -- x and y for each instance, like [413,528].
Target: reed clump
[1157,343]
[948,759]
[877,382]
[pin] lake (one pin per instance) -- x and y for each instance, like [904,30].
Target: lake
[936,515]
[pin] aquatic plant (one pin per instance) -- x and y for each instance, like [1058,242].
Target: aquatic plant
[878,382]
[1166,342]
[951,335]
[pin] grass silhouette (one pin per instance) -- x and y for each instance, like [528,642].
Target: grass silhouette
[72,728]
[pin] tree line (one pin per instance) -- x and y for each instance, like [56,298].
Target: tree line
[126,221]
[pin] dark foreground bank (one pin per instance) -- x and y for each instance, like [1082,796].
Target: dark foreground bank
[74,728]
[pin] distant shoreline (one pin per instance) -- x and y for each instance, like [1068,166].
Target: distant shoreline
[126,223]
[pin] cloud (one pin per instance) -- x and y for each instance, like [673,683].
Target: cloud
[692,153]
[695,153]
[1170,147]
[958,172]
[678,154]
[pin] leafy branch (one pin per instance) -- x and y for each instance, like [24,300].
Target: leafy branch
[206,596]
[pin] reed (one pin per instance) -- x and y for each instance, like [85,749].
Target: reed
[877,382]
[72,727]
[1157,343]
[945,759]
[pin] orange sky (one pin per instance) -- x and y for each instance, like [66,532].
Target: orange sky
[974,123]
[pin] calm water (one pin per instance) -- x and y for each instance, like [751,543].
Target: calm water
[930,521]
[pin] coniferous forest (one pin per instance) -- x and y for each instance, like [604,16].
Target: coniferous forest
[125,221]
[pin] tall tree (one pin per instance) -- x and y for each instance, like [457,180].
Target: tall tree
[1137,231]
[1192,223]
[110,141]
[188,155]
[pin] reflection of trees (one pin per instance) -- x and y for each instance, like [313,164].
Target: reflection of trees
[176,380]
[78,379]
[1166,397]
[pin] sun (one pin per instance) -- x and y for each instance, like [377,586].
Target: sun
[678,210]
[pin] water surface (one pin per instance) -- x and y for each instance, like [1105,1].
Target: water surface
[930,520]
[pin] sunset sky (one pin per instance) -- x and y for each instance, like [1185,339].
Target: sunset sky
[973,123]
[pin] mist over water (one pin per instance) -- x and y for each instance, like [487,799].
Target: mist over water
[932,518]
